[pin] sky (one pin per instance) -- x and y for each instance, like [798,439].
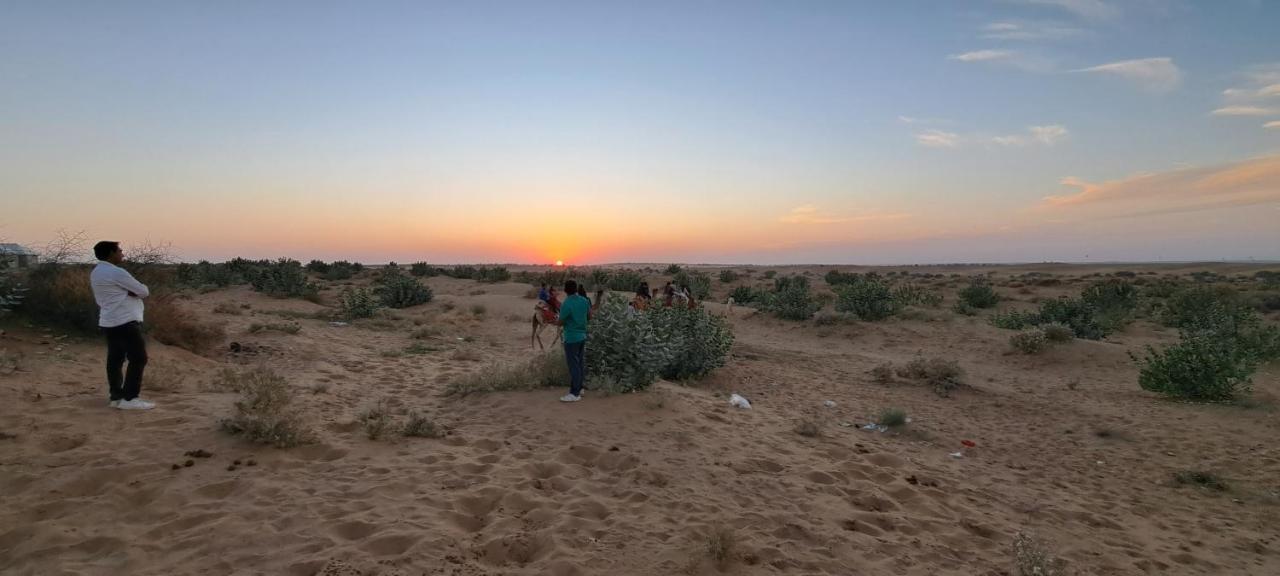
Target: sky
[732,132]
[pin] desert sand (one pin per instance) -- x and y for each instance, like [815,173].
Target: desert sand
[1066,446]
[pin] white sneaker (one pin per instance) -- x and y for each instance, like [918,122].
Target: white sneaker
[570,398]
[135,404]
[113,403]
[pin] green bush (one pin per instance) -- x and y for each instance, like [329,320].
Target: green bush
[421,269]
[401,291]
[791,299]
[892,417]
[318,266]
[1203,365]
[867,299]
[916,295]
[1072,312]
[747,295]
[769,274]
[624,280]
[699,341]
[728,276]
[837,278]
[1029,342]
[1014,320]
[979,294]
[492,274]
[626,352]
[357,303]
[284,278]
[205,273]
[673,269]
[1112,303]
[341,270]
[1197,306]
[698,282]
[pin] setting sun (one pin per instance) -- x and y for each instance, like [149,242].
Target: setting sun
[559,262]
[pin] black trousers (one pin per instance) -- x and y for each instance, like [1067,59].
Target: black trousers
[124,342]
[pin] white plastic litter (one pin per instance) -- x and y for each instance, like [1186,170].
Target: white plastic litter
[829,403]
[739,401]
[873,427]
[337,324]
[957,454]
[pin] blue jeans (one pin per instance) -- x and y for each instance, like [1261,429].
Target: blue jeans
[575,355]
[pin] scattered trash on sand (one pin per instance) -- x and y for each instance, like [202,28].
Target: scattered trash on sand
[957,454]
[739,401]
[873,427]
[968,443]
[829,403]
[337,324]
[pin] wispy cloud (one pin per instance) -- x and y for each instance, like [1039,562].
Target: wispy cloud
[809,214]
[1258,94]
[1028,31]
[1245,111]
[1272,125]
[915,120]
[1046,135]
[938,139]
[1159,74]
[1254,181]
[1088,9]
[982,56]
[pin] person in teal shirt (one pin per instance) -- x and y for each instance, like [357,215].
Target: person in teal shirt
[574,312]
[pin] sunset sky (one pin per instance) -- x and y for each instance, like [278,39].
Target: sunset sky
[593,132]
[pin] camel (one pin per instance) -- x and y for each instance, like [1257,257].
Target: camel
[540,322]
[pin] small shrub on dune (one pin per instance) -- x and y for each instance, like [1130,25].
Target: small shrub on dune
[318,266]
[1029,342]
[892,417]
[170,324]
[357,303]
[544,370]
[1057,333]
[1013,320]
[1203,365]
[769,274]
[59,294]
[747,295]
[722,546]
[868,299]
[916,295]
[422,269]
[282,327]
[401,291]
[673,269]
[418,425]
[623,280]
[943,375]
[809,428]
[979,294]
[882,373]
[478,309]
[376,419]
[698,282]
[728,276]
[340,270]
[1112,303]
[1201,479]
[697,341]
[829,319]
[283,278]
[265,413]
[492,274]
[791,299]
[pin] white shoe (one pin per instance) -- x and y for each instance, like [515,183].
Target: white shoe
[135,404]
[570,398]
[113,403]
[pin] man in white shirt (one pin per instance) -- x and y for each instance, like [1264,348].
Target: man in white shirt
[119,298]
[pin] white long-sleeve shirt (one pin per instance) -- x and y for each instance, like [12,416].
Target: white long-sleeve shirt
[111,287]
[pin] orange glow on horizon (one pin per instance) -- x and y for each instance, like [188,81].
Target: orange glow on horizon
[559,262]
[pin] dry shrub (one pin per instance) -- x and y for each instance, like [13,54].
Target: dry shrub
[265,413]
[808,428]
[282,327]
[893,417]
[544,370]
[883,373]
[1029,342]
[61,295]
[943,375]
[164,378]
[1033,558]
[10,362]
[1200,478]
[418,425]
[722,543]
[228,309]
[170,324]
[376,419]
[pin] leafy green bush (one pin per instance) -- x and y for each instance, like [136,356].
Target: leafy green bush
[837,278]
[1029,342]
[892,417]
[1112,303]
[673,269]
[1203,365]
[623,280]
[1014,320]
[626,352]
[341,270]
[1072,312]
[699,340]
[401,291]
[698,282]
[318,266]
[205,273]
[867,299]
[421,269]
[284,278]
[791,299]
[979,294]
[357,303]
[728,276]
[747,295]
[492,274]
[1196,306]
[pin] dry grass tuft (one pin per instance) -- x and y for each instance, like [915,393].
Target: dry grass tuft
[893,417]
[466,355]
[418,425]
[1201,479]
[721,545]
[544,370]
[228,309]
[883,373]
[283,327]
[808,428]
[265,414]
[1033,558]
[376,419]
[943,375]
[170,324]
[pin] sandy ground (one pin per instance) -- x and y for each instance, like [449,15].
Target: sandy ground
[1067,447]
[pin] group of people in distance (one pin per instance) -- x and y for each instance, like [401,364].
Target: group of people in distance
[119,297]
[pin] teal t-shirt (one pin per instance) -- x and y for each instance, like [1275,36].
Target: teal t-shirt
[573,316]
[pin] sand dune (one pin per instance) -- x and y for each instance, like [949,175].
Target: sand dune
[1067,447]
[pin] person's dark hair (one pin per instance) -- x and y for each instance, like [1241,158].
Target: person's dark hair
[105,249]
[544,284]
[582,290]
[570,287]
